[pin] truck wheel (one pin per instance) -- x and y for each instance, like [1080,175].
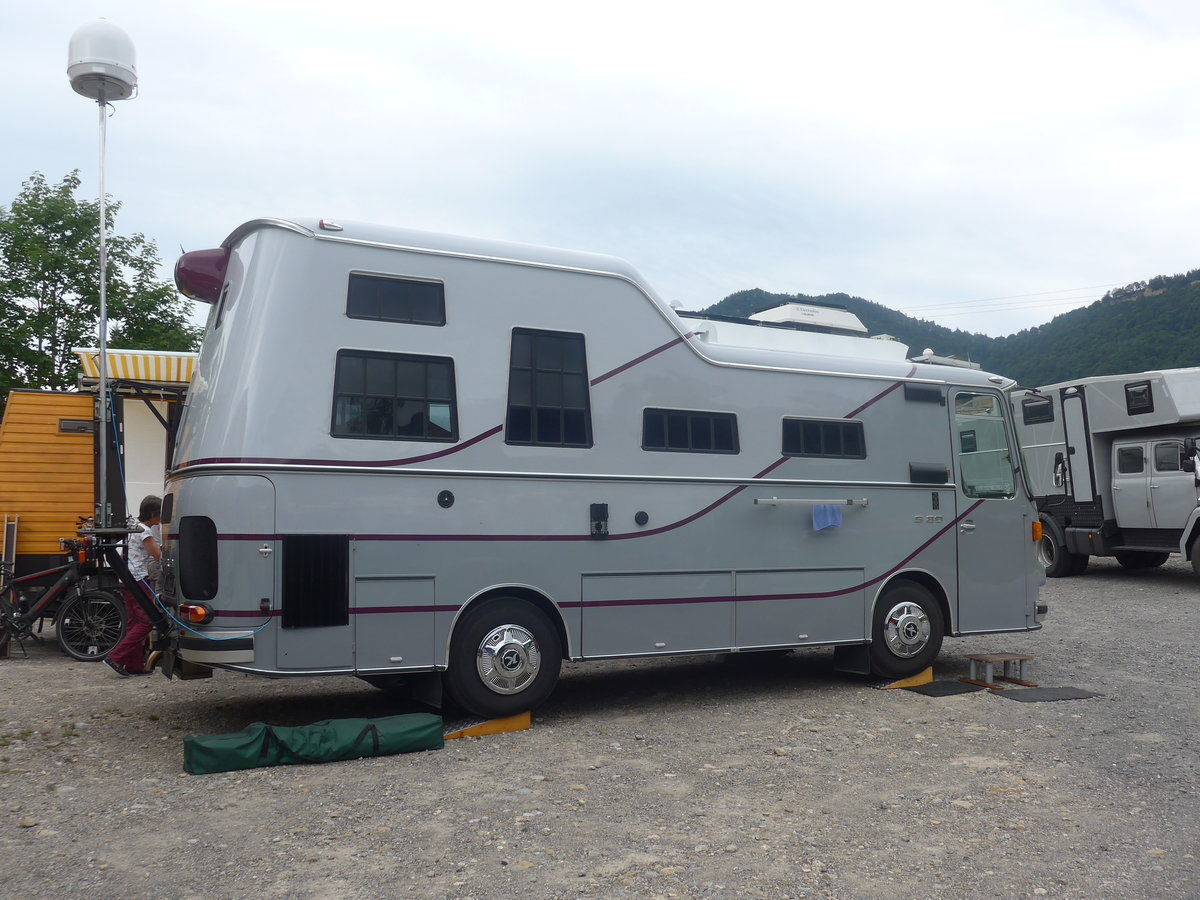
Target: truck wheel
[1141,559]
[504,658]
[1059,563]
[907,632]
[88,626]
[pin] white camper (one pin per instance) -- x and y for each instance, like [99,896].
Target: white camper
[407,454]
[1113,468]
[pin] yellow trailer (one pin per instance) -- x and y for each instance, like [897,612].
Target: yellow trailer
[48,449]
[46,472]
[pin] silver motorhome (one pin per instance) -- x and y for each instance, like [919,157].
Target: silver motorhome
[409,454]
[1112,463]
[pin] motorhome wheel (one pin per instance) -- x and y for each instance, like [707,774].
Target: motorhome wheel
[1053,549]
[504,658]
[1141,559]
[908,630]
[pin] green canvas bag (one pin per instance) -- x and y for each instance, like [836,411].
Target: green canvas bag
[260,744]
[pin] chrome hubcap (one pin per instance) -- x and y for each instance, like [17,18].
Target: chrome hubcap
[508,659]
[906,629]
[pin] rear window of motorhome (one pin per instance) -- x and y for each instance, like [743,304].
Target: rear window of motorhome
[1035,410]
[689,431]
[548,401]
[397,396]
[820,437]
[1139,398]
[389,299]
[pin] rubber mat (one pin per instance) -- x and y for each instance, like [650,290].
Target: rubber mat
[944,688]
[1042,694]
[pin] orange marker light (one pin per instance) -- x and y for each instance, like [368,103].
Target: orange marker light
[1037,532]
[194,613]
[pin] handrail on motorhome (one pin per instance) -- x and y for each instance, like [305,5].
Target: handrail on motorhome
[781,501]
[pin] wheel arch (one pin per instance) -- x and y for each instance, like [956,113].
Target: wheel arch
[1191,533]
[530,595]
[928,581]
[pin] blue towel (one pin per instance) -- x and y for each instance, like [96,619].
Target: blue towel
[826,515]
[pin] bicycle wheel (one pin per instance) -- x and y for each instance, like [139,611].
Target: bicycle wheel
[90,625]
[6,613]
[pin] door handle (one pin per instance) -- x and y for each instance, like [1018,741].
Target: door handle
[966,526]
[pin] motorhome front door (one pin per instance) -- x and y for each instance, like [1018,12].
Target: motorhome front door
[1131,484]
[988,538]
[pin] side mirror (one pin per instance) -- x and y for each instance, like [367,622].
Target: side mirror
[1187,459]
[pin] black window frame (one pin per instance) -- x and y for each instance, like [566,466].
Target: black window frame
[377,283]
[1037,410]
[823,427]
[543,365]
[693,421]
[340,391]
[1137,404]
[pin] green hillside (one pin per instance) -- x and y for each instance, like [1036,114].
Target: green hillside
[1143,326]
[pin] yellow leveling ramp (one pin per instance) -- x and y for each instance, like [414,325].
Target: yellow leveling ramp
[925,677]
[519,722]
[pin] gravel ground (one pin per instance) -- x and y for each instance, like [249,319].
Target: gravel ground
[751,776]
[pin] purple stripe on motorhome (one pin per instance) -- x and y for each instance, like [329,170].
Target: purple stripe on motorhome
[645,356]
[387,463]
[814,595]
[355,463]
[663,601]
[624,536]
[879,396]
[358,611]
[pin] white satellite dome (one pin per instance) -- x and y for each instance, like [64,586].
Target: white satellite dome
[101,62]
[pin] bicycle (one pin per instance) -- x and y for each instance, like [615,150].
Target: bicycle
[89,622]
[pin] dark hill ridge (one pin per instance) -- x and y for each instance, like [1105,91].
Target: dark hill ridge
[1142,326]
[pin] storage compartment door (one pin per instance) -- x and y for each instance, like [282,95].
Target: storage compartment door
[648,613]
[393,623]
[781,609]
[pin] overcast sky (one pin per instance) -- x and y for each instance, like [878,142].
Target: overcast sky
[986,165]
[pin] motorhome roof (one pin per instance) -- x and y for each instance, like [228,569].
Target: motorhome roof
[1189,373]
[448,244]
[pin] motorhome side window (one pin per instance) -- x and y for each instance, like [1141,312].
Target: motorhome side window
[1138,398]
[821,437]
[548,403]
[689,431]
[1130,460]
[1035,410]
[1167,456]
[396,396]
[390,299]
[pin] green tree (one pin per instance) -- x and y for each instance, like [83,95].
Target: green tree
[49,287]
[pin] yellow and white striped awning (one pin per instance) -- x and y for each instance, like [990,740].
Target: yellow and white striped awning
[151,366]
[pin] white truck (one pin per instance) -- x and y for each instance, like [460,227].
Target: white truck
[453,461]
[1112,462]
